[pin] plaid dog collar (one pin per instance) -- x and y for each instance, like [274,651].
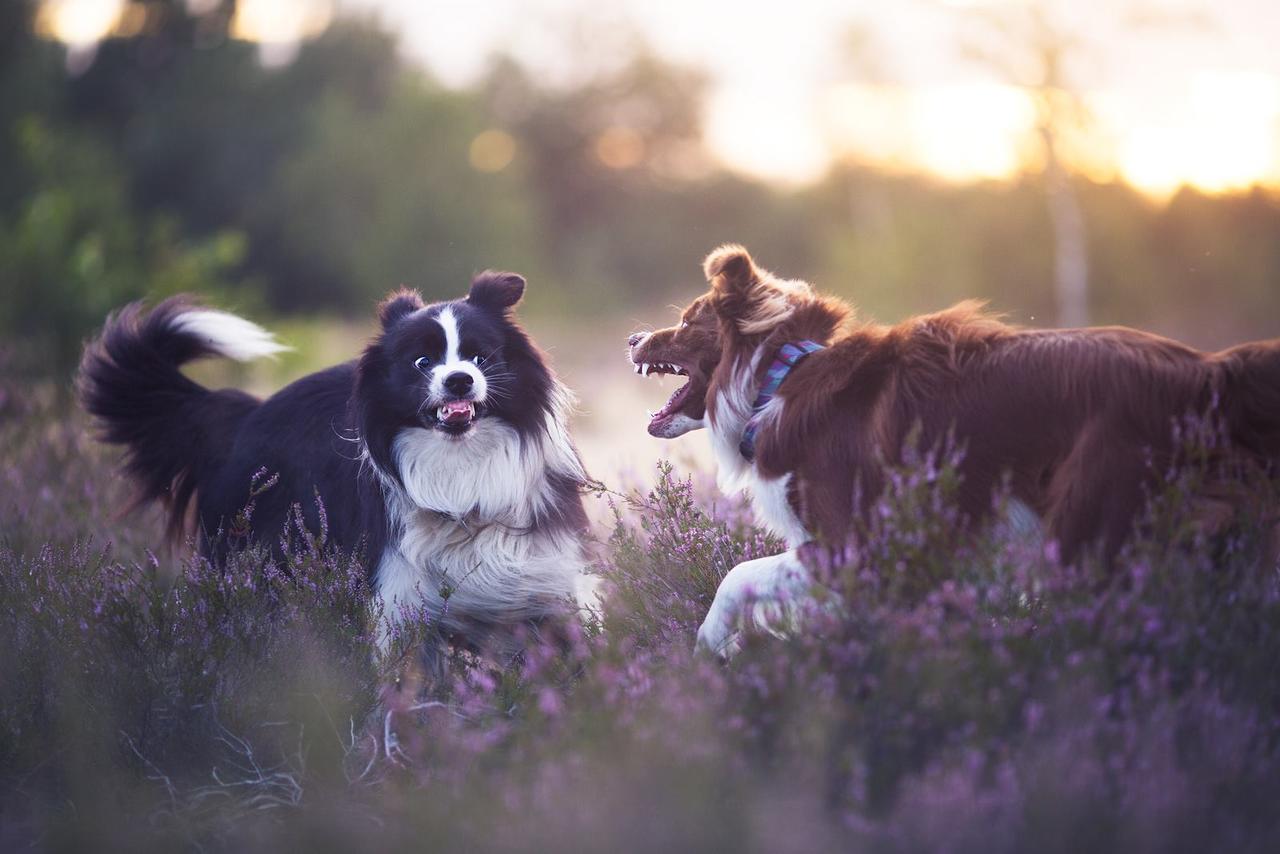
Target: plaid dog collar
[789,355]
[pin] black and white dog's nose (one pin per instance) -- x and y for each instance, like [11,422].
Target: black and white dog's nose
[636,338]
[458,383]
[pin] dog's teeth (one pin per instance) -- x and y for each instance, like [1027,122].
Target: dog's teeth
[647,366]
[637,369]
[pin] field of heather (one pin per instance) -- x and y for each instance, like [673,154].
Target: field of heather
[962,696]
[1070,163]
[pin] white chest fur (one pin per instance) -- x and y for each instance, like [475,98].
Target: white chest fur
[772,503]
[769,497]
[464,530]
[490,573]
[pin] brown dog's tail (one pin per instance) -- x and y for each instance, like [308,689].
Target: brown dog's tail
[1251,396]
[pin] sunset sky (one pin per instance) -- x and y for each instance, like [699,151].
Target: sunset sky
[1176,91]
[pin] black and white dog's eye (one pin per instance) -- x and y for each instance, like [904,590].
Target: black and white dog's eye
[422,363]
[479,360]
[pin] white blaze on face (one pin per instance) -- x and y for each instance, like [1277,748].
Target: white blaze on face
[453,362]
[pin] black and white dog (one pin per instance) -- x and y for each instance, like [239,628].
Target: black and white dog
[443,451]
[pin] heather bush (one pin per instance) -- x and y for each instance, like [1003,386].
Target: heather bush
[58,486]
[944,691]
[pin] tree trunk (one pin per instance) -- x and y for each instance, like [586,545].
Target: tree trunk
[1070,252]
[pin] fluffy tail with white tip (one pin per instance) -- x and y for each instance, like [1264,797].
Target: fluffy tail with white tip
[174,431]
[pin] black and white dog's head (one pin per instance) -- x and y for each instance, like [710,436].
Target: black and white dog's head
[449,366]
[465,427]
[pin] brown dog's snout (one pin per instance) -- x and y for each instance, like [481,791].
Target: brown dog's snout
[636,338]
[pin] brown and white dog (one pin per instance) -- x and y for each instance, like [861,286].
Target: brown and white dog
[1077,420]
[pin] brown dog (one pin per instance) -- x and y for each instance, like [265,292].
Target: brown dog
[1078,421]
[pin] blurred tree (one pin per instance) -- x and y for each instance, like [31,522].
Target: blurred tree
[1026,45]
[347,172]
[585,143]
[15,29]
[31,83]
[1029,46]
[628,199]
[382,198]
[73,250]
[201,125]
[901,244]
[176,160]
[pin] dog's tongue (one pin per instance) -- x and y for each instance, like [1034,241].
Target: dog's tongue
[659,419]
[456,412]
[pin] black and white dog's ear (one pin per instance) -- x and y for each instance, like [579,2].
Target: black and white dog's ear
[397,305]
[496,291]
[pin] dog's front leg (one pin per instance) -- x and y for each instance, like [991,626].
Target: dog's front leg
[759,594]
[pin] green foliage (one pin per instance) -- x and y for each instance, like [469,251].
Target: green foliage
[176,160]
[380,198]
[74,250]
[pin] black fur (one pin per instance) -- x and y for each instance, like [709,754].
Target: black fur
[183,441]
[387,366]
[129,380]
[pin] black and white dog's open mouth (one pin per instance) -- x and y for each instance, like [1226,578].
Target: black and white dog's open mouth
[454,416]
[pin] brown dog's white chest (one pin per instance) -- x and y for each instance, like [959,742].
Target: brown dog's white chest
[771,500]
[770,497]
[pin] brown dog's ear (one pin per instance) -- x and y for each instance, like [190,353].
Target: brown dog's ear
[496,291]
[750,299]
[733,278]
[397,305]
[730,265]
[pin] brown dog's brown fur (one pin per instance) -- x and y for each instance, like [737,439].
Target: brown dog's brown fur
[1078,421]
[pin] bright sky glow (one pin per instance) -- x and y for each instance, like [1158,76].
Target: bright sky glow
[279,21]
[959,132]
[1226,136]
[1179,91]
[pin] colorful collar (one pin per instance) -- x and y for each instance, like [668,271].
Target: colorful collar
[789,355]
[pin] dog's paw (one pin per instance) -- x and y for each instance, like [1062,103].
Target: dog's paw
[718,636]
[761,595]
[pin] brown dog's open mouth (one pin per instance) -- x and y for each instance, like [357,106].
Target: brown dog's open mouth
[659,420]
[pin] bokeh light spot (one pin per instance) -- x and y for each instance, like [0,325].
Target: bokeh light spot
[492,151]
[78,22]
[620,148]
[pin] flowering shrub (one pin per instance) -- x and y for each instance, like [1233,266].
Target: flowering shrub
[945,692]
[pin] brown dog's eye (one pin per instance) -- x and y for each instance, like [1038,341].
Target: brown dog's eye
[684,324]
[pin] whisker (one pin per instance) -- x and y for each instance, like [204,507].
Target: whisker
[499,394]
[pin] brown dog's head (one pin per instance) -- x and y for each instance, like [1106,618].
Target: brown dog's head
[690,349]
[744,304]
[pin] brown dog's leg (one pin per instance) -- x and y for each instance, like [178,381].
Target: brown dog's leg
[1096,493]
